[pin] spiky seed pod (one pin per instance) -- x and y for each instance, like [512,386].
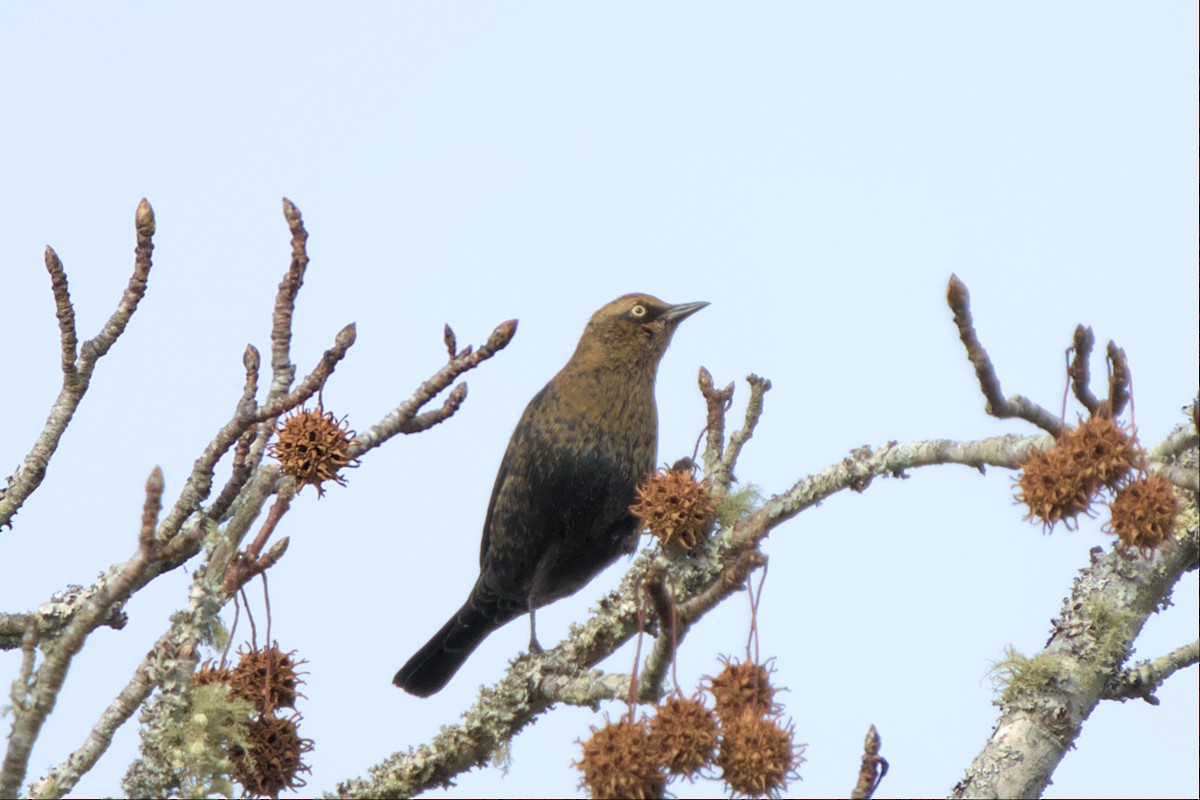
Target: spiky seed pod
[741,686]
[1051,489]
[685,733]
[1143,512]
[676,508]
[1100,452]
[209,673]
[274,762]
[618,761]
[1060,483]
[757,756]
[267,678]
[313,446]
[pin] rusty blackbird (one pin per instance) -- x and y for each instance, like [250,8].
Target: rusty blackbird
[559,512]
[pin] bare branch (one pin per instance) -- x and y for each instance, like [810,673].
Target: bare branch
[1119,382]
[240,472]
[246,565]
[1178,441]
[152,507]
[404,418]
[758,387]
[53,615]
[1018,406]
[59,780]
[1184,478]
[874,767]
[1143,679]
[428,419]
[589,689]
[77,374]
[283,371]
[1079,369]
[731,579]
[717,403]
[1042,714]
[199,483]
[114,587]
[163,544]
[64,311]
[134,291]
[29,643]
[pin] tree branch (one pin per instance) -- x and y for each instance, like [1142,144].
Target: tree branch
[405,419]
[77,371]
[1143,679]
[62,626]
[873,768]
[997,405]
[54,615]
[114,587]
[1049,696]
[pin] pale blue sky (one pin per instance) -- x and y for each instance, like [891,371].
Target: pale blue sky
[815,171]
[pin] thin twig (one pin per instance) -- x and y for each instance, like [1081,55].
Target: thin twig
[997,405]
[754,408]
[199,484]
[78,374]
[64,311]
[1143,679]
[1120,382]
[405,418]
[282,369]
[151,507]
[716,403]
[873,768]
[1080,370]
[55,614]
[246,565]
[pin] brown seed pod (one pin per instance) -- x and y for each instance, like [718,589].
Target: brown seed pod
[741,686]
[1143,513]
[1051,489]
[757,756]
[1060,483]
[677,509]
[1101,453]
[313,446]
[685,733]
[209,673]
[267,678]
[274,761]
[618,762]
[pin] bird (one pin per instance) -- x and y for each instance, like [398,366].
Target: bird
[559,511]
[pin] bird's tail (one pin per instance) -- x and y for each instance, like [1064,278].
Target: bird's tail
[435,664]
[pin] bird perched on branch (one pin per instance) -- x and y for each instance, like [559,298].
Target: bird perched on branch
[559,512]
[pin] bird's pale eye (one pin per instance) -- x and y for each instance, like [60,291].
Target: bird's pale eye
[638,311]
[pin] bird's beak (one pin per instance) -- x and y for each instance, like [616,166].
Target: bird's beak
[677,314]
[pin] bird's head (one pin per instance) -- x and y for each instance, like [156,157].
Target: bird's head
[633,330]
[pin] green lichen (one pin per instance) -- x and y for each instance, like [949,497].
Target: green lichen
[1017,675]
[186,745]
[1112,628]
[736,505]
